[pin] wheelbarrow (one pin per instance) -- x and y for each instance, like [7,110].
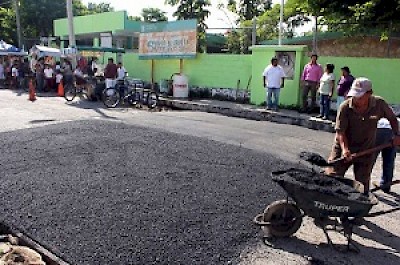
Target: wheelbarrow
[334,203]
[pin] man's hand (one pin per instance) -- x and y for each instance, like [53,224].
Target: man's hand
[347,155]
[282,85]
[396,140]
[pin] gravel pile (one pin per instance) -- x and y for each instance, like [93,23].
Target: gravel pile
[99,192]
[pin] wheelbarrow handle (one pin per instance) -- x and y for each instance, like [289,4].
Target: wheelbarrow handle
[362,153]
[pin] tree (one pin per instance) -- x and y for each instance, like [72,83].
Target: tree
[8,25]
[37,19]
[153,15]
[193,9]
[99,8]
[248,9]
[356,15]
[135,18]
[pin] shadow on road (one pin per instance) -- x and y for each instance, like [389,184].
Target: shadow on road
[90,105]
[386,244]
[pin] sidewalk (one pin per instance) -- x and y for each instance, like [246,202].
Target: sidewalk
[251,112]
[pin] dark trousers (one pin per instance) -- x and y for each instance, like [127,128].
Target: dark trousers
[309,86]
[388,155]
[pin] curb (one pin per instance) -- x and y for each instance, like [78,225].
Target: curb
[24,240]
[252,114]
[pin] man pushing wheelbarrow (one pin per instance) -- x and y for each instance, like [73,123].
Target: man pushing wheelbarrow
[356,127]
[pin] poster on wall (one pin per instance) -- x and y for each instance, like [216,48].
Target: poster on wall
[177,39]
[287,61]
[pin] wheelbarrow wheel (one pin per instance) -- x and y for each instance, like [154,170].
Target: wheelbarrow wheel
[284,217]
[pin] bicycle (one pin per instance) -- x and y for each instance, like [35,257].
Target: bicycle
[71,90]
[132,91]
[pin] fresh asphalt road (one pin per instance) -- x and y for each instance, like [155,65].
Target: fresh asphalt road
[128,186]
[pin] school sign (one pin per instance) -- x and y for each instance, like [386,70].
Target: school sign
[163,40]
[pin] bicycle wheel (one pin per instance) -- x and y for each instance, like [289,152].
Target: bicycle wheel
[69,92]
[152,100]
[134,98]
[111,97]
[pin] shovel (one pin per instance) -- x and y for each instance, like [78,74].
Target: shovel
[318,160]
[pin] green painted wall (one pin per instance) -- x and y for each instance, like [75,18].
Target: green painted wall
[103,22]
[382,72]
[261,58]
[208,70]
[223,71]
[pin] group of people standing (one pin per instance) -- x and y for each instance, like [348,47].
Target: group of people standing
[315,79]
[49,76]
[363,120]
[13,72]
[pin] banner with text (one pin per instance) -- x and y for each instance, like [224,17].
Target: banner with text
[165,40]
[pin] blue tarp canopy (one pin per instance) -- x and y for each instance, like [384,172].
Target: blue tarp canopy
[42,51]
[8,49]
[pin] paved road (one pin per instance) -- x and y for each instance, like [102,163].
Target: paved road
[279,139]
[127,186]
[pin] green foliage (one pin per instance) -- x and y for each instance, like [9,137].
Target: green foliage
[153,15]
[193,9]
[93,8]
[8,25]
[239,40]
[358,16]
[37,17]
[135,18]
[248,9]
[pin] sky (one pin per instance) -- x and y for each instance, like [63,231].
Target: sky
[217,19]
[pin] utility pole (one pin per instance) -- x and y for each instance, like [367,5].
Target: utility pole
[254,32]
[71,33]
[18,22]
[281,23]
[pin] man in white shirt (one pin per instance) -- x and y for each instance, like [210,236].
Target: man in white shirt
[121,72]
[273,80]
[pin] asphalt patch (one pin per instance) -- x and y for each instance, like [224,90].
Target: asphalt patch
[101,192]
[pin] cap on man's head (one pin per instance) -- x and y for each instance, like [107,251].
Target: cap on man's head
[359,87]
[347,69]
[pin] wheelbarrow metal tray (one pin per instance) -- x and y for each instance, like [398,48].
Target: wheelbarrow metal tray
[319,195]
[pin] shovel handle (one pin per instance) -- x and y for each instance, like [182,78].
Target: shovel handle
[362,153]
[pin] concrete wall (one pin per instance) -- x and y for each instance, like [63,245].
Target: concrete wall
[261,57]
[223,71]
[382,72]
[207,70]
[357,47]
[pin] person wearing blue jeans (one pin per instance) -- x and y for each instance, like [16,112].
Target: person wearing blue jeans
[384,135]
[326,85]
[273,80]
[273,97]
